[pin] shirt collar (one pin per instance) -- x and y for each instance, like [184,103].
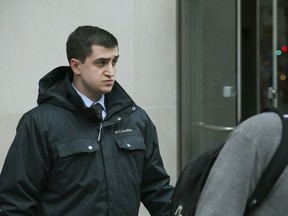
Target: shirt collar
[88,102]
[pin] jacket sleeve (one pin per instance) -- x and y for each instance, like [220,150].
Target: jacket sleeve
[23,173]
[156,193]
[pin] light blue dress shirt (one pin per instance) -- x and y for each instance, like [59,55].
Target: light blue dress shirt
[88,102]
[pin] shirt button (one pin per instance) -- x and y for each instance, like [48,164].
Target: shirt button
[90,147]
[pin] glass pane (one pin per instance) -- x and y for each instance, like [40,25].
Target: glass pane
[218,56]
[282,57]
[208,74]
[266,52]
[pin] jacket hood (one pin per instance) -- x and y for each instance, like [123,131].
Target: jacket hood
[55,88]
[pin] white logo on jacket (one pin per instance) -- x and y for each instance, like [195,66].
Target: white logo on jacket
[123,131]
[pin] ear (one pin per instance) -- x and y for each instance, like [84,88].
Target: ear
[74,64]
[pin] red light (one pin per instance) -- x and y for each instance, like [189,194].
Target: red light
[284,48]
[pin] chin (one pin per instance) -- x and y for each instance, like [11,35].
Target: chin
[107,90]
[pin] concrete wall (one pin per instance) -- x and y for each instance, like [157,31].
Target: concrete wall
[33,34]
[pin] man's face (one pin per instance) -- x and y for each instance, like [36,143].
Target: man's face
[96,76]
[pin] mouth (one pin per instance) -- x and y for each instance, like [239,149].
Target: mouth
[109,82]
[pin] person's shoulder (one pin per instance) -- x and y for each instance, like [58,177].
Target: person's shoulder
[265,119]
[40,111]
[45,107]
[259,132]
[264,124]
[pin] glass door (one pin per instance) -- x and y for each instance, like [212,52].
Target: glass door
[208,74]
[233,62]
[273,53]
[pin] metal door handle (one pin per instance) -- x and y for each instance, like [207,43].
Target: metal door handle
[213,127]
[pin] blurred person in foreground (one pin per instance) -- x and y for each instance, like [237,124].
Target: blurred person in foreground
[238,168]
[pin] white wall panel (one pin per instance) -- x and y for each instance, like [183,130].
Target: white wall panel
[33,34]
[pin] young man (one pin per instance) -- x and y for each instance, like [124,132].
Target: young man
[67,160]
[239,167]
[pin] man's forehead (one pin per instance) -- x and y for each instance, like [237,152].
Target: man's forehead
[103,52]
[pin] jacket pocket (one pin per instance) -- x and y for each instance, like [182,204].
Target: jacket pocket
[77,146]
[130,142]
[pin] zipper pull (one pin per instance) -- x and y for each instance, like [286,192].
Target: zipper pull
[178,211]
[100,129]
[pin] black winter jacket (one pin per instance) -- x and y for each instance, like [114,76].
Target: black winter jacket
[62,162]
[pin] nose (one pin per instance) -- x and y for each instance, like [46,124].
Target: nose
[110,69]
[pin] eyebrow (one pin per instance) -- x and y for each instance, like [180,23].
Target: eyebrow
[106,59]
[116,57]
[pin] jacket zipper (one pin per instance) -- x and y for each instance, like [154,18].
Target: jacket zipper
[100,130]
[100,145]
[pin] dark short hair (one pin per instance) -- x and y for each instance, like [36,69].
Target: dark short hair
[79,43]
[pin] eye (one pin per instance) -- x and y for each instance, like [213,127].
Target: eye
[114,61]
[101,63]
